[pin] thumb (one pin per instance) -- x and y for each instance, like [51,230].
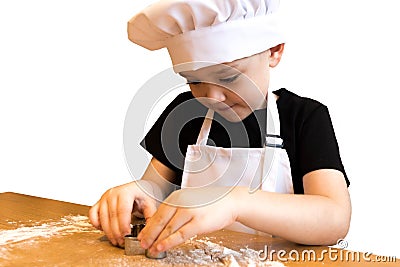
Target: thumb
[144,208]
[149,210]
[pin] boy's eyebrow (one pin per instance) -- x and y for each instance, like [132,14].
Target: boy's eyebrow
[222,71]
[229,67]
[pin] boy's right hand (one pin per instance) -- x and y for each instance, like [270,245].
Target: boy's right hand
[112,213]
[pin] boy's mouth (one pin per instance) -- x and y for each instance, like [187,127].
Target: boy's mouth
[223,108]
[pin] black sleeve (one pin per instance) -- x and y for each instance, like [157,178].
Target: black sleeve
[168,138]
[318,147]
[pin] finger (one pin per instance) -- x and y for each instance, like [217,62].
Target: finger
[149,209]
[155,225]
[187,231]
[144,207]
[113,220]
[94,216]
[105,220]
[124,215]
[180,218]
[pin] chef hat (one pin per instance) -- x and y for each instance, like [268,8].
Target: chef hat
[204,32]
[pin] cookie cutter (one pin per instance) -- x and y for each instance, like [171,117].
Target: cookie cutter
[132,244]
[157,256]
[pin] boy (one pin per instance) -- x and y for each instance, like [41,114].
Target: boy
[225,50]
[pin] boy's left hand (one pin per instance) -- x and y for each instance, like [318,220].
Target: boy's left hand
[186,213]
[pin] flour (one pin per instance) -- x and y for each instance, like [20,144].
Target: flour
[3,253]
[203,252]
[194,252]
[66,225]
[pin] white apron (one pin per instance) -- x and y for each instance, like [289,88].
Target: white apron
[265,168]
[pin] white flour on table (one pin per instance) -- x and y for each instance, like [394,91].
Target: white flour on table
[206,253]
[66,225]
[193,252]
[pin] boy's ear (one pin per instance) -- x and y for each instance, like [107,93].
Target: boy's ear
[276,55]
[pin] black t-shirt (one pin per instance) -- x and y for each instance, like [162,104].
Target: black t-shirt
[305,127]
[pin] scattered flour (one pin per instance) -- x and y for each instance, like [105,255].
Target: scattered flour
[200,252]
[66,225]
[3,252]
[206,253]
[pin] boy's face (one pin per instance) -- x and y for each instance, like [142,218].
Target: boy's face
[234,89]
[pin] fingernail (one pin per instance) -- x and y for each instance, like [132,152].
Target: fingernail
[160,247]
[153,250]
[144,244]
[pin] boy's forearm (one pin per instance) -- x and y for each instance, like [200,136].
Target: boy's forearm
[304,219]
[159,189]
[159,176]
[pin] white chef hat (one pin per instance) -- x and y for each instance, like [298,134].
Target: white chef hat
[204,32]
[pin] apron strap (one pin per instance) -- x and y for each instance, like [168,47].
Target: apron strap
[273,127]
[272,138]
[205,128]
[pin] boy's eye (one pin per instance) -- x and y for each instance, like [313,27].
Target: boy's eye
[230,79]
[193,82]
[222,80]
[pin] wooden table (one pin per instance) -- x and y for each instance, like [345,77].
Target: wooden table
[75,243]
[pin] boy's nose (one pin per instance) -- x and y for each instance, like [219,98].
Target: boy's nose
[216,93]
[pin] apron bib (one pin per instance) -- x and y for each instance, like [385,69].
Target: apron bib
[265,168]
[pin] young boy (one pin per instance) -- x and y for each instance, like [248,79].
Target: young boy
[242,181]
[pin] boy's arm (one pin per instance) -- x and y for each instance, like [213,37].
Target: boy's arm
[112,213]
[160,178]
[319,217]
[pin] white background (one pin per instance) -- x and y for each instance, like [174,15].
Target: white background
[68,74]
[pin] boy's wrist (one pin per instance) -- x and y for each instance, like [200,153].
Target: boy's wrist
[239,201]
[244,201]
[150,189]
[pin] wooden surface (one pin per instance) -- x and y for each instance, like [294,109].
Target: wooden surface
[84,248]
